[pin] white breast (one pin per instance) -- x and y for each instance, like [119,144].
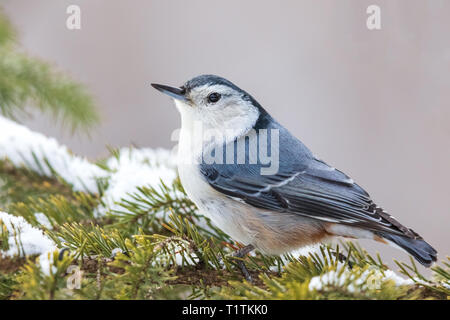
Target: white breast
[268,232]
[227,214]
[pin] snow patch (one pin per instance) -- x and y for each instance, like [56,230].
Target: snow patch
[136,168]
[42,219]
[371,279]
[24,147]
[303,251]
[24,239]
[131,169]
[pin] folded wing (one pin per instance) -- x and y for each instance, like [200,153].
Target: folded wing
[303,185]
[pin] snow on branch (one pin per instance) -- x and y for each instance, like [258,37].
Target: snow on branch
[46,156]
[125,171]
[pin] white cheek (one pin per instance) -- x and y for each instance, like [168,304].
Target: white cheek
[231,120]
[224,122]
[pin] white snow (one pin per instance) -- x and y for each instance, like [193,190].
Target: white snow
[303,251]
[24,239]
[306,251]
[136,168]
[24,147]
[183,256]
[398,280]
[43,220]
[371,278]
[133,168]
[46,261]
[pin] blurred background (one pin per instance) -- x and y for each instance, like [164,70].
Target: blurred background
[375,104]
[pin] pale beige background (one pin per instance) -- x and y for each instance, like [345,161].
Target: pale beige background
[375,104]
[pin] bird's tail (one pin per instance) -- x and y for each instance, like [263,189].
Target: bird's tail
[418,248]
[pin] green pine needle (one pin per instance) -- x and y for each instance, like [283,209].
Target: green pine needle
[29,81]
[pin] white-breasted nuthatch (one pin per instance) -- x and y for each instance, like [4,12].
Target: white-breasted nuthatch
[273,207]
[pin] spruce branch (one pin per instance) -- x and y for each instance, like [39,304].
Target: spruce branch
[148,209]
[7,32]
[441,282]
[35,284]
[157,246]
[25,80]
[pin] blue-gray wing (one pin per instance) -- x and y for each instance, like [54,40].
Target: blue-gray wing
[303,185]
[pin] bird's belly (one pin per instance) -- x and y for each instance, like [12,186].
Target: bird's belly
[270,232]
[223,212]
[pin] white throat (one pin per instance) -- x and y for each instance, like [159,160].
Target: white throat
[198,125]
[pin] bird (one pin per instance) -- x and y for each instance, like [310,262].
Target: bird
[301,201]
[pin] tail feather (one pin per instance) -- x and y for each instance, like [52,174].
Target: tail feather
[418,248]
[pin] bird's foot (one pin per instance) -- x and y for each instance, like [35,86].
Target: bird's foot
[245,271]
[241,253]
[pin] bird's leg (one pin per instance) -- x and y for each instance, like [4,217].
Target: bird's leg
[241,253]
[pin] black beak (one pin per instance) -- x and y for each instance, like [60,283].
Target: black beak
[176,93]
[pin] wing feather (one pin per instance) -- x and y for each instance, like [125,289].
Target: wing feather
[303,185]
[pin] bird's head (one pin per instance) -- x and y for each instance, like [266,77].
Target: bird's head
[215,102]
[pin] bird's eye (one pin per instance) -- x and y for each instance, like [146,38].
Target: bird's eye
[214,97]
